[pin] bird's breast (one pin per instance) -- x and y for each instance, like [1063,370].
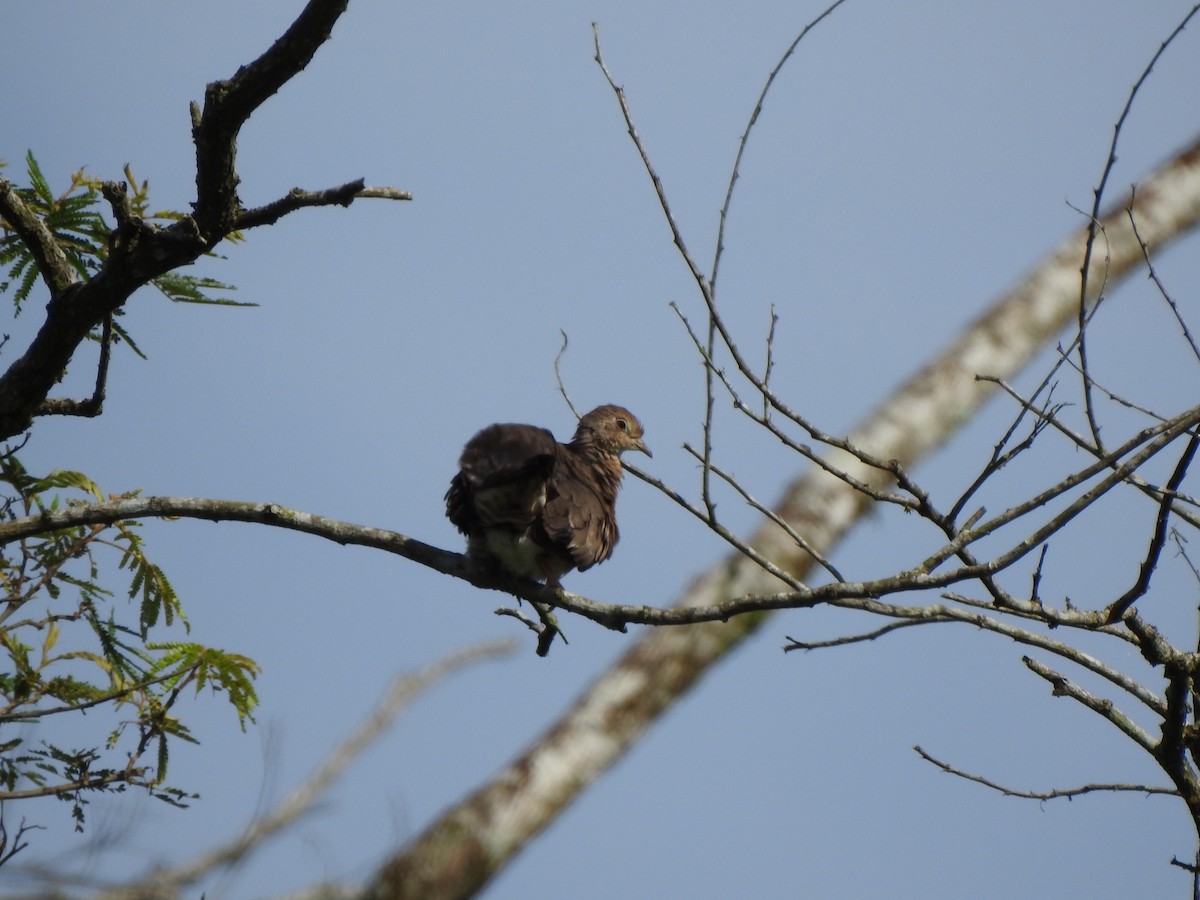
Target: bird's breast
[515,551]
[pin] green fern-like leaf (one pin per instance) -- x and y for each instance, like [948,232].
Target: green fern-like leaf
[37,180]
[120,659]
[218,670]
[121,335]
[64,478]
[72,690]
[192,289]
[29,278]
[163,757]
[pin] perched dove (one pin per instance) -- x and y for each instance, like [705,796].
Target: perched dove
[538,508]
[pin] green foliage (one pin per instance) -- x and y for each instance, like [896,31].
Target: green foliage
[74,218]
[68,645]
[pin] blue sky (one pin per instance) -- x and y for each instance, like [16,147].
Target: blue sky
[911,162]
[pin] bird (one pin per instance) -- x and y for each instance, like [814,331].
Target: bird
[535,508]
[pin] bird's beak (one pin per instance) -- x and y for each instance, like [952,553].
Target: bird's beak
[641,445]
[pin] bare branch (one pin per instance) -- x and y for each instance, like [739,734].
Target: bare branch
[1095,226]
[139,252]
[1064,687]
[1054,793]
[1152,273]
[1150,563]
[1152,441]
[701,282]
[8,852]
[300,199]
[715,526]
[770,514]
[1135,480]
[617,616]
[940,613]
[735,171]
[562,387]
[1003,453]
[846,640]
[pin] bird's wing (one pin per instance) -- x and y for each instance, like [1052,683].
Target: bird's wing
[501,482]
[578,520]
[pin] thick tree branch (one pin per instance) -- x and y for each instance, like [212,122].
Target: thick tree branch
[140,251]
[229,103]
[273,514]
[32,231]
[859,595]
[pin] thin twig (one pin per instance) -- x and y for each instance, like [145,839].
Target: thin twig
[680,244]
[546,630]
[1064,687]
[735,171]
[773,516]
[846,640]
[1052,794]
[1082,443]
[1094,219]
[562,387]
[1153,275]
[1142,584]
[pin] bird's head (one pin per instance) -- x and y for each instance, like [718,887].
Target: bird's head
[612,429]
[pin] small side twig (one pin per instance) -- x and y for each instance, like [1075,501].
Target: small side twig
[1152,273]
[795,644]
[547,629]
[761,507]
[92,406]
[297,198]
[562,387]
[7,852]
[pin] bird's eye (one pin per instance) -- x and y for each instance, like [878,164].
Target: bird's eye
[622,424]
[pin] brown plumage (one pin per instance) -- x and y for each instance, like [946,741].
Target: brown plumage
[538,508]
